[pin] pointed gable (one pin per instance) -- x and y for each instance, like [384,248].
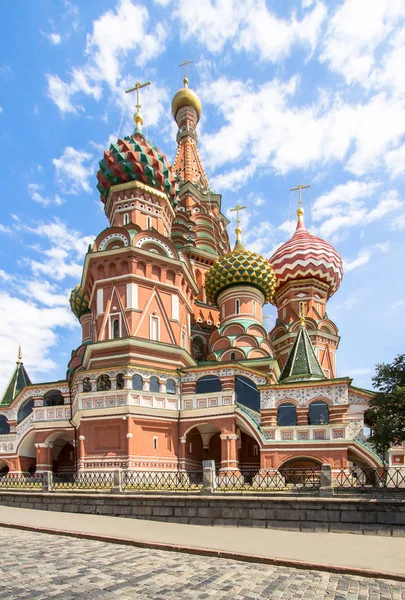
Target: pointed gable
[18,381]
[302,363]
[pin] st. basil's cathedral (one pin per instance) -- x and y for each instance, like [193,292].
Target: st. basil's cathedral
[175,366]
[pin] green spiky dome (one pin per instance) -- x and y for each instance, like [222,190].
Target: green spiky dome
[79,302]
[135,159]
[240,267]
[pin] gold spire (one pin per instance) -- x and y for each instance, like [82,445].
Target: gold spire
[238,230]
[138,119]
[302,314]
[19,359]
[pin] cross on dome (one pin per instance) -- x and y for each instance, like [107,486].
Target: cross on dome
[184,64]
[137,116]
[238,230]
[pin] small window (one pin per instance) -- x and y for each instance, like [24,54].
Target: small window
[91,330]
[103,383]
[154,328]
[286,415]
[4,426]
[155,442]
[148,222]
[170,387]
[154,384]
[25,410]
[233,356]
[190,447]
[318,413]
[183,339]
[137,383]
[120,381]
[255,450]
[115,328]
[86,384]
[126,219]
[254,308]
[284,313]
[208,384]
[237,307]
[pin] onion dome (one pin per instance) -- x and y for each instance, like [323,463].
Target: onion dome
[134,158]
[79,302]
[186,97]
[307,256]
[240,267]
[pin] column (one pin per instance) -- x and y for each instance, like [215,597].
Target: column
[130,441]
[302,416]
[229,452]
[81,452]
[43,457]
[182,453]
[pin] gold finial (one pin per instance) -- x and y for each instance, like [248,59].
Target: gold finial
[238,230]
[19,359]
[302,314]
[300,187]
[138,119]
[184,64]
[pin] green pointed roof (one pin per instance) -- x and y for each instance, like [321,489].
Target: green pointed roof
[302,363]
[18,381]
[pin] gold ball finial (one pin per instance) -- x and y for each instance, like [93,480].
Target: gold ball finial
[138,120]
[19,359]
[185,81]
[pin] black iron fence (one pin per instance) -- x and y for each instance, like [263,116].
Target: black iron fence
[296,480]
[87,480]
[349,480]
[365,479]
[162,480]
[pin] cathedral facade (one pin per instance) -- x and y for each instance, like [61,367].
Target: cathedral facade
[175,366]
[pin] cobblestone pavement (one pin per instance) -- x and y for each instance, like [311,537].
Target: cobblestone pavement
[40,566]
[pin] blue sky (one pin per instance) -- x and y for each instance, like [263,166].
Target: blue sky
[296,91]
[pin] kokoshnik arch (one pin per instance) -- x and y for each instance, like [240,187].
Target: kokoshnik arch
[175,365]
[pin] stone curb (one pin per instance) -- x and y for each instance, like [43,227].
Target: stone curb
[252,558]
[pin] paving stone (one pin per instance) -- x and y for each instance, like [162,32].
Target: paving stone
[48,567]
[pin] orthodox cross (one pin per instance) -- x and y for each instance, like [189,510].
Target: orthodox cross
[184,64]
[137,87]
[299,187]
[237,208]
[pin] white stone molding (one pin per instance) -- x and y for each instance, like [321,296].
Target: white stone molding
[113,236]
[337,394]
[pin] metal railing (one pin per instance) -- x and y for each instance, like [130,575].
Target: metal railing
[368,479]
[269,480]
[180,481]
[87,480]
[19,480]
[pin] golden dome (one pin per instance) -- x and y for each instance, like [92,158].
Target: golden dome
[186,97]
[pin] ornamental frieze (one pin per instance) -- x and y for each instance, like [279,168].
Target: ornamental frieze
[356,398]
[34,393]
[337,394]
[226,372]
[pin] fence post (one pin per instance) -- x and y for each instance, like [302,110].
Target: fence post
[117,484]
[326,480]
[47,481]
[209,478]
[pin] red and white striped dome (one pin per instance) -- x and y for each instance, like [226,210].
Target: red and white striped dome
[305,256]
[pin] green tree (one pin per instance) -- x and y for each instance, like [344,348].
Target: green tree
[386,414]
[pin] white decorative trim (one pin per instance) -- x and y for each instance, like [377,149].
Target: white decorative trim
[156,241]
[113,236]
[337,394]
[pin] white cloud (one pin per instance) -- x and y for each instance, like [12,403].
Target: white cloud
[354,37]
[35,191]
[248,25]
[364,256]
[35,329]
[1,110]
[345,206]
[5,229]
[116,35]
[72,172]
[395,161]
[54,38]
[398,305]
[285,135]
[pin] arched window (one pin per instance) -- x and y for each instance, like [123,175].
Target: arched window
[208,384]
[103,383]
[4,426]
[53,398]
[287,415]
[115,328]
[154,384]
[148,222]
[233,356]
[318,413]
[237,306]
[120,381]
[247,393]
[126,219]
[86,384]
[137,382]
[170,386]
[25,410]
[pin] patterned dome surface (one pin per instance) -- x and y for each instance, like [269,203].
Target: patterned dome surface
[306,255]
[135,159]
[79,303]
[240,267]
